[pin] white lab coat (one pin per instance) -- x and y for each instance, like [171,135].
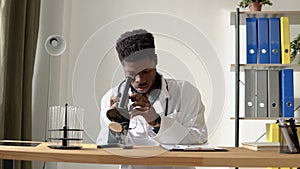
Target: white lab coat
[184,123]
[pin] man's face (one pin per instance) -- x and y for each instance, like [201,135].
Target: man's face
[143,72]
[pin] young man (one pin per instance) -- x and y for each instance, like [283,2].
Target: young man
[162,111]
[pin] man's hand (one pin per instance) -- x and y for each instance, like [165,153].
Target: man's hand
[114,102]
[141,106]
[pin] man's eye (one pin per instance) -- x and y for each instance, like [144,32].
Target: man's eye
[129,73]
[146,70]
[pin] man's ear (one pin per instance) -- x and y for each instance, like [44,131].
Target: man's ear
[155,59]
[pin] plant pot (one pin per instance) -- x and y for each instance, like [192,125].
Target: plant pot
[255,6]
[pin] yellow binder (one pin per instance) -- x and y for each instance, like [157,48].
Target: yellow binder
[272,132]
[285,40]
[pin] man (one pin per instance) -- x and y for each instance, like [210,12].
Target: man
[162,111]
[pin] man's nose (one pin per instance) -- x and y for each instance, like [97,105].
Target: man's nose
[138,78]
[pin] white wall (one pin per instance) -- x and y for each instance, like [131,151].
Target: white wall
[195,42]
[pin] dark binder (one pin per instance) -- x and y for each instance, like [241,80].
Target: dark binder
[251,40]
[274,40]
[287,92]
[263,40]
[273,93]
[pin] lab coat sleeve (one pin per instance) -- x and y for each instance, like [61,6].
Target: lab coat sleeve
[104,121]
[187,124]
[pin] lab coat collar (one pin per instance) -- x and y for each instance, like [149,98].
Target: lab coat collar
[164,91]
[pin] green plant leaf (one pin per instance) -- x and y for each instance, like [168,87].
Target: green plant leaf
[295,46]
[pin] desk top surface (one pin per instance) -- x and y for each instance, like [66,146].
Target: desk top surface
[148,155]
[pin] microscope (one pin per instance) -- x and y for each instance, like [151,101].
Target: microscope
[120,117]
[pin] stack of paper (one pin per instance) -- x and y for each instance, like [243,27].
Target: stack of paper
[257,146]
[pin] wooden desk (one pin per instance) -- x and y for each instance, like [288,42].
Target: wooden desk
[235,157]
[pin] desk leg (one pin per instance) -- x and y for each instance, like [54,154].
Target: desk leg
[9,164]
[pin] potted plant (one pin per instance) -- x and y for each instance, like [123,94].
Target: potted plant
[254,5]
[295,50]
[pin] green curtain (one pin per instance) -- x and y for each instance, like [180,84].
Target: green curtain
[19,23]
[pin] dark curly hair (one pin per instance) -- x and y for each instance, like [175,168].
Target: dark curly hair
[135,44]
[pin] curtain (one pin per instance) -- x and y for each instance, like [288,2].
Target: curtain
[19,23]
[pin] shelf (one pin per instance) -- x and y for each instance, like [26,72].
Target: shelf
[293,16]
[258,118]
[244,67]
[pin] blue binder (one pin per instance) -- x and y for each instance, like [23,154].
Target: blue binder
[274,40]
[287,92]
[251,40]
[263,40]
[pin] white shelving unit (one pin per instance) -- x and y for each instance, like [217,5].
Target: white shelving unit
[239,18]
